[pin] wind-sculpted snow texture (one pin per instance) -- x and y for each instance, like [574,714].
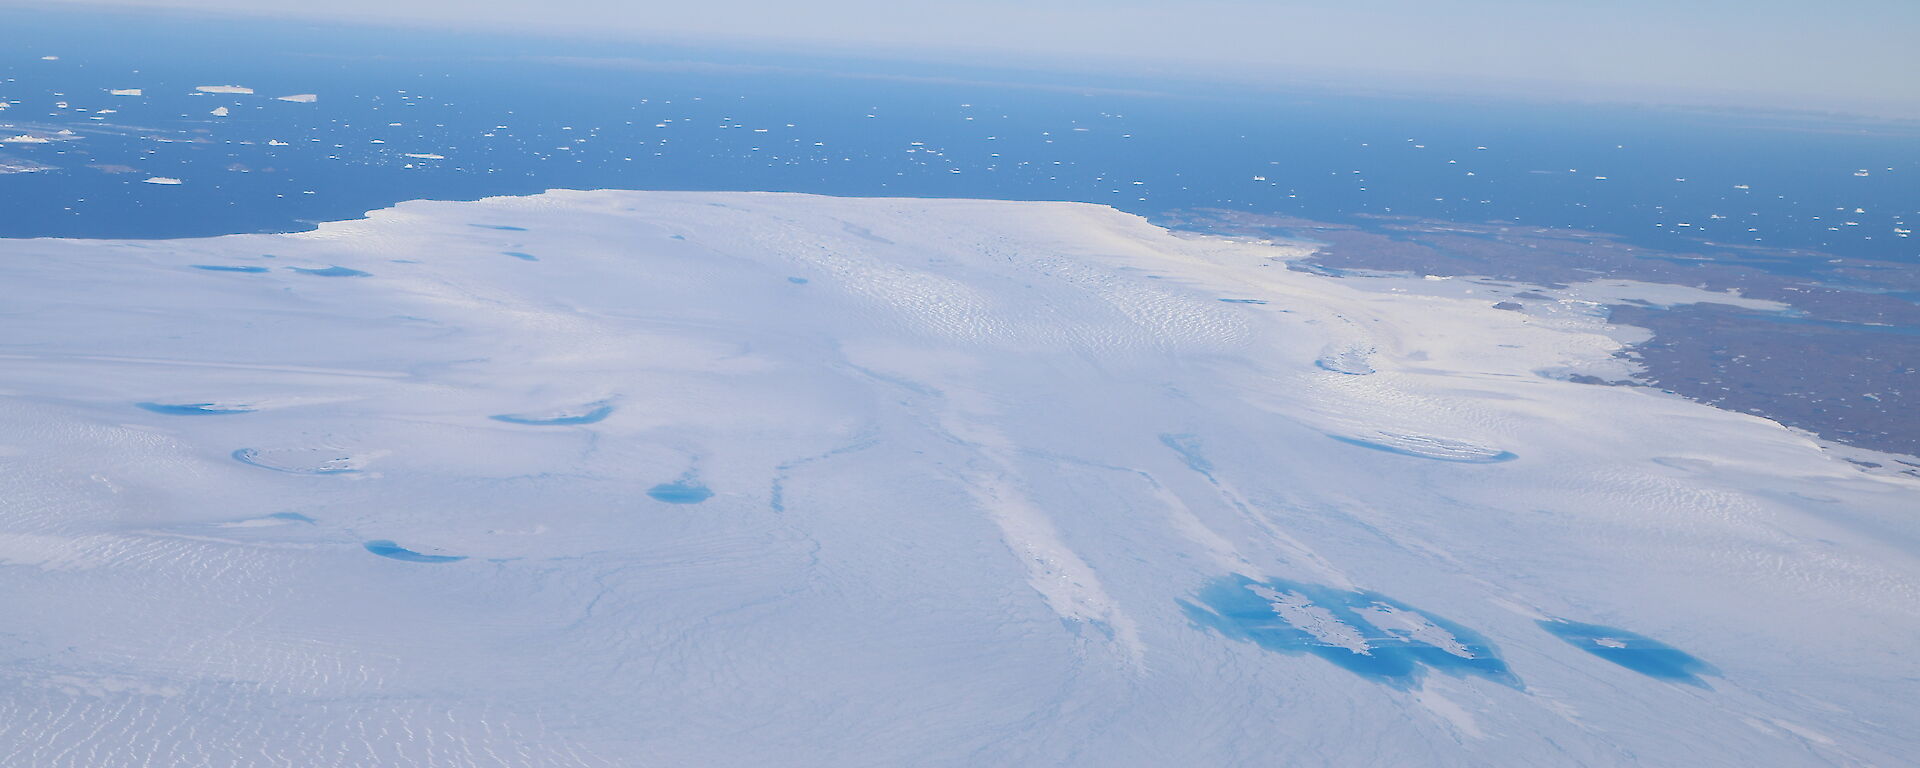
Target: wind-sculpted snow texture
[756,479]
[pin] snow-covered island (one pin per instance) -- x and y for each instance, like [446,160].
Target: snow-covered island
[618,478]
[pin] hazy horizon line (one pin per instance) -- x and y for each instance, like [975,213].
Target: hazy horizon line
[1116,70]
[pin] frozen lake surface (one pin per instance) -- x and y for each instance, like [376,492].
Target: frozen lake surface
[748,478]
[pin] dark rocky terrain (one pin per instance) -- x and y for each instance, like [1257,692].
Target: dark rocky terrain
[1842,363]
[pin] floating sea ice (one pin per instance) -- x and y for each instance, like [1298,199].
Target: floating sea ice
[223,89]
[124,92]
[219,112]
[299,98]
[162,180]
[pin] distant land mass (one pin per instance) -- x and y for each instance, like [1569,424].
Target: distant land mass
[1839,360]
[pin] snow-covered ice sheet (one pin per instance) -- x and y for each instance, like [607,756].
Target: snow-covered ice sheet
[615,478]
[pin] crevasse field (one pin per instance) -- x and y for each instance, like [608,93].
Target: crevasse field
[627,479]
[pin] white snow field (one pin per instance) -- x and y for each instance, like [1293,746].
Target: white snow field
[630,479]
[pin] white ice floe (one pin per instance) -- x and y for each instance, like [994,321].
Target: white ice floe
[300,98]
[620,478]
[219,112]
[161,180]
[21,165]
[241,89]
[424,156]
[25,138]
[124,92]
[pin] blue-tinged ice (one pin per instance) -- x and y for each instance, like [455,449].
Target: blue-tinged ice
[1428,447]
[193,409]
[335,271]
[230,268]
[586,414]
[298,461]
[686,490]
[388,549]
[1363,632]
[1637,652]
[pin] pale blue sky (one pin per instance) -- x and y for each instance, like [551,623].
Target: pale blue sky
[1857,55]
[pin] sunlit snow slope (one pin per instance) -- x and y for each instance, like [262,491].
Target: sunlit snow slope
[610,479]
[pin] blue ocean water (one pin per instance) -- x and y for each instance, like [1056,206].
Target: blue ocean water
[404,114]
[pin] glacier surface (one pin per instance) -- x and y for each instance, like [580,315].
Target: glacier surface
[745,478]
